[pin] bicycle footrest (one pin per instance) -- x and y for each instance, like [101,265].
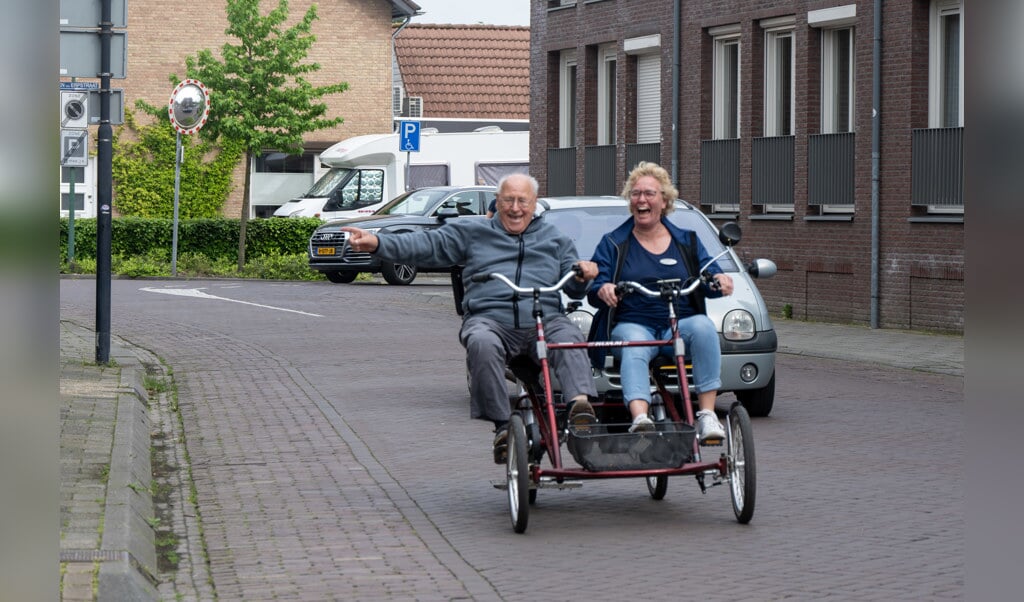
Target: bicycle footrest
[545,483]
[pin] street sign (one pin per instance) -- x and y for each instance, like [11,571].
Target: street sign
[116,106]
[79,85]
[74,112]
[409,136]
[87,13]
[80,54]
[74,148]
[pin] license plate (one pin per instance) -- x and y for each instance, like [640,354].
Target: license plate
[325,251]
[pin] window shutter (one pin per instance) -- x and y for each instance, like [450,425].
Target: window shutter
[648,98]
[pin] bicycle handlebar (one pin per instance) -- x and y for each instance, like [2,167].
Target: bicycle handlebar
[525,290]
[671,287]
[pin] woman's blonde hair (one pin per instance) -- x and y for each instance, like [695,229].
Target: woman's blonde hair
[669,194]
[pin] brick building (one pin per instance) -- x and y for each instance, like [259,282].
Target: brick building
[763,112]
[353,44]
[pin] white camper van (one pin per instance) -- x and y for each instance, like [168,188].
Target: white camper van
[367,171]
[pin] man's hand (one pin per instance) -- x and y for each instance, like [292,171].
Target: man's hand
[589,269]
[360,240]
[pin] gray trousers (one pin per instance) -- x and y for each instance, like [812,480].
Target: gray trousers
[490,345]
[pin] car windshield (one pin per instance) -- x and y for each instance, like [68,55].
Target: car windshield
[417,202]
[586,225]
[328,182]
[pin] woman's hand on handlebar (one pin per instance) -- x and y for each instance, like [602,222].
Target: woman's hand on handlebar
[724,284]
[585,270]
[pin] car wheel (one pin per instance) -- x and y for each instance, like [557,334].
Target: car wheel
[341,277]
[758,402]
[398,273]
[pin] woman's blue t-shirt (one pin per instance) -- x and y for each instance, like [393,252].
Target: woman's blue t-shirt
[647,268]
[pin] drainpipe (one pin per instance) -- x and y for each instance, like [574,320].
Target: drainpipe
[876,96]
[675,93]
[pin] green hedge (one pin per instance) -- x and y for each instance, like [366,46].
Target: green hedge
[216,238]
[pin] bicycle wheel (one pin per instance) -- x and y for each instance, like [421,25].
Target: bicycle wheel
[657,486]
[517,474]
[742,465]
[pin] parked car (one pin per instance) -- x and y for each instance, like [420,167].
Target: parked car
[416,210]
[744,327]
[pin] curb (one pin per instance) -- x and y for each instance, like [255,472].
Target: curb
[128,548]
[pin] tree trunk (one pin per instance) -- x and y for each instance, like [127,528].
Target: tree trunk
[245,210]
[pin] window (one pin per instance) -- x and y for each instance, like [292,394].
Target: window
[278,162]
[837,80]
[946,68]
[779,87]
[726,82]
[567,100]
[606,106]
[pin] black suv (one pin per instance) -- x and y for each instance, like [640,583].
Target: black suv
[416,210]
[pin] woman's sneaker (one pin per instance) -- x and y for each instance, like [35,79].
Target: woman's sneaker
[708,427]
[642,424]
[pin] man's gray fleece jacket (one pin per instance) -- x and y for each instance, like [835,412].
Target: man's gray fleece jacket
[537,257]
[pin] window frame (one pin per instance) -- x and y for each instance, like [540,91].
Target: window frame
[726,38]
[567,98]
[774,32]
[607,109]
[937,44]
[830,40]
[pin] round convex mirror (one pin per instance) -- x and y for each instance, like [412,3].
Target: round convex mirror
[189,106]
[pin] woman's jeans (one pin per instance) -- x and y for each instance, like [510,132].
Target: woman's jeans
[702,347]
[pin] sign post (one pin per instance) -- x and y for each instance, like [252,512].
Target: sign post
[408,141]
[188,109]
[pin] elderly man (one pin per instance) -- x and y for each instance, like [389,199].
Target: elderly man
[496,325]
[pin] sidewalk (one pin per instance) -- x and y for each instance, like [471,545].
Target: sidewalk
[124,483]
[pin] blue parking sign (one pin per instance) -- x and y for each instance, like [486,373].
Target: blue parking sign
[409,136]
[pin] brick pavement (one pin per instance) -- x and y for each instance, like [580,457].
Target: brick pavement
[302,496]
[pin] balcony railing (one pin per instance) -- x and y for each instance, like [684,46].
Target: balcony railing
[599,169]
[830,162]
[647,151]
[937,167]
[772,170]
[720,172]
[561,171]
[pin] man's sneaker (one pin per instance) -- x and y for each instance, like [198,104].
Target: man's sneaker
[501,444]
[642,424]
[582,416]
[708,427]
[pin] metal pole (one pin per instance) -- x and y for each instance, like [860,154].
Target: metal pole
[71,218]
[177,187]
[104,193]
[676,26]
[876,153]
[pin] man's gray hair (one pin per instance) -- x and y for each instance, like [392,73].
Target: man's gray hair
[534,185]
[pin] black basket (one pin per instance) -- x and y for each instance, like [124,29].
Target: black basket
[601,447]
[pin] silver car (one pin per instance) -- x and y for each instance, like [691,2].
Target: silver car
[745,329]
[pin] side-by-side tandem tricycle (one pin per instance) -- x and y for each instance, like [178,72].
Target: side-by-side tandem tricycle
[606,449]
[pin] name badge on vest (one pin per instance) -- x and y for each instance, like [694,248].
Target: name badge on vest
[667,261]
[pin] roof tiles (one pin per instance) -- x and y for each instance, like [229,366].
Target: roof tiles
[468,71]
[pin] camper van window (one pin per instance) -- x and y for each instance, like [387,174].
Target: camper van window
[366,188]
[328,182]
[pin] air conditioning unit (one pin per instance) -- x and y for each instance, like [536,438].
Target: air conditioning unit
[397,96]
[416,106]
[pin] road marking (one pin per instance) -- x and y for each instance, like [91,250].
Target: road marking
[199,294]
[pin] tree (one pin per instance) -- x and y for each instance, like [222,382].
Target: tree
[258,95]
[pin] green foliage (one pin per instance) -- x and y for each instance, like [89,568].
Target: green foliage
[258,95]
[280,267]
[143,168]
[211,239]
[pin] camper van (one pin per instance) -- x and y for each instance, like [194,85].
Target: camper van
[367,171]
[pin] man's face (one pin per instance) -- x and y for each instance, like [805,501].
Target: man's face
[516,203]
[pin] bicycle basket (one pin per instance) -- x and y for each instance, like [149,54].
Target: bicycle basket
[602,447]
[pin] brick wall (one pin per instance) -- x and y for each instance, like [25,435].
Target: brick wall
[824,266]
[353,45]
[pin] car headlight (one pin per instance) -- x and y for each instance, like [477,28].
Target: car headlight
[582,320]
[738,325]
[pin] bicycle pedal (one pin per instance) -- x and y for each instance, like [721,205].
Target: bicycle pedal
[712,442]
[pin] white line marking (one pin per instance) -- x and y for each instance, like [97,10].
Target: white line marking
[199,294]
